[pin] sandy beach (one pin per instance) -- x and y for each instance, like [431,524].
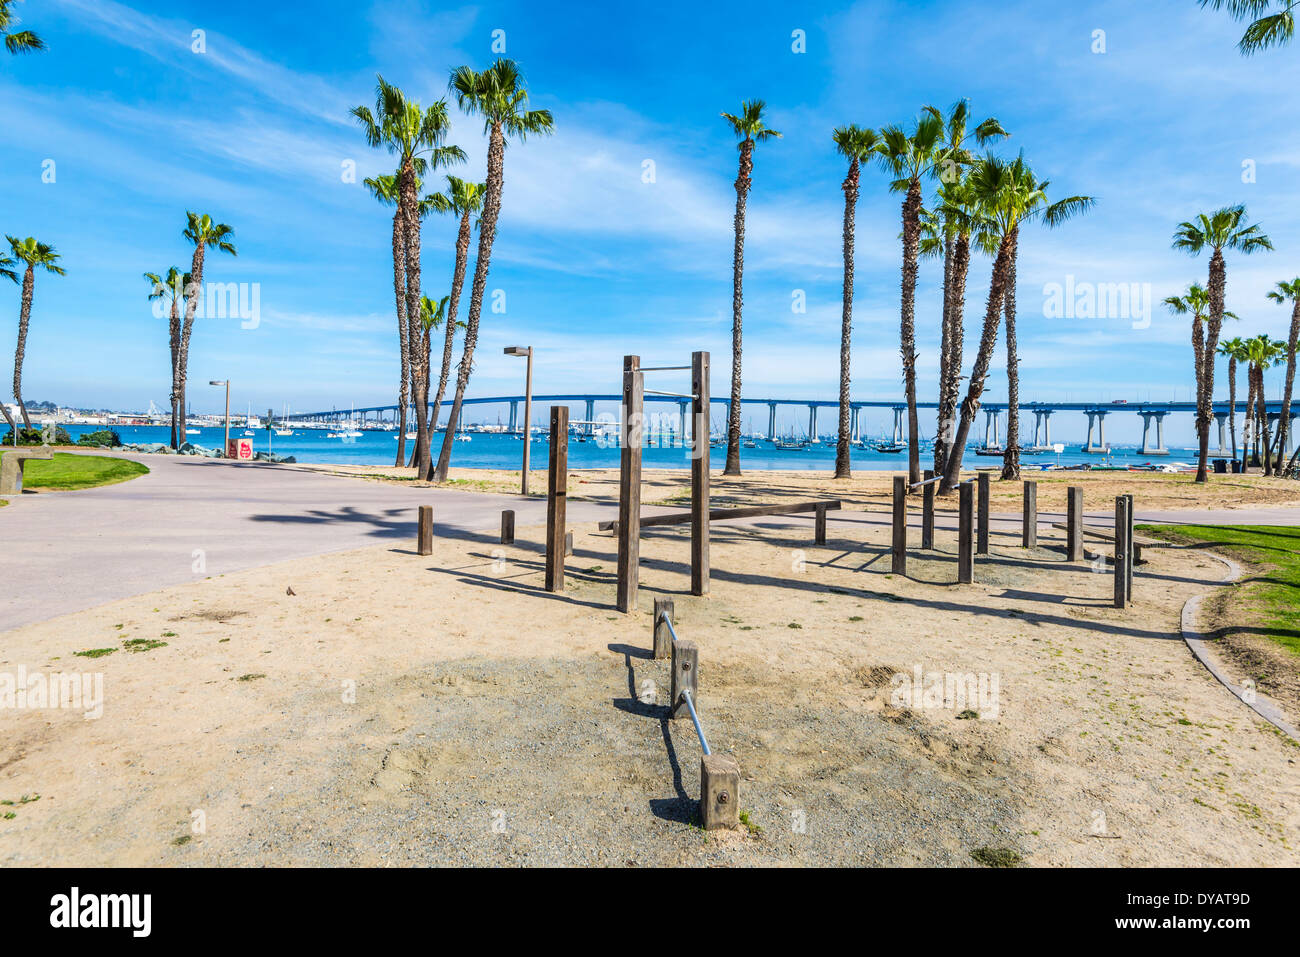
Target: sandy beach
[396,709]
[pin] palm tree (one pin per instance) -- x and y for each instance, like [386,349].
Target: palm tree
[1263,353]
[202,232]
[172,288]
[34,254]
[462,199]
[1218,231]
[500,96]
[1011,196]
[749,126]
[21,41]
[1234,350]
[858,145]
[7,272]
[416,137]
[1288,291]
[1274,28]
[1196,303]
[431,317]
[385,189]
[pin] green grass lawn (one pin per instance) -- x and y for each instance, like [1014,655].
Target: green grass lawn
[1271,598]
[65,472]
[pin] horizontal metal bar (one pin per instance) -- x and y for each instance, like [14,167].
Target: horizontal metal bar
[675,395]
[937,478]
[664,368]
[671,630]
[726,514]
[704,745]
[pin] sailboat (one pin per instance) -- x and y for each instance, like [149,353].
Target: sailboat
[286,430]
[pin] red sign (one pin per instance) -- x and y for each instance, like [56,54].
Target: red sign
[241,449]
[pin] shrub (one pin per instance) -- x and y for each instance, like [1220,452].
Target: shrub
[36,437]
[105,438]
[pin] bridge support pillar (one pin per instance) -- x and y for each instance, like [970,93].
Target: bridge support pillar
[683,409]
[812,423]
[898,424]
[771,421]
[589,429]
[991,429]
[1159,448]
[1097,418]
[853,424]
[1042,430]
[1222,419]
[514,413]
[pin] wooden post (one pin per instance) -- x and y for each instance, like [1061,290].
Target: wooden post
[663,638]
[898,564]
[507,526]
[966,534]
[1121,551]
[1074,523]
[819,525]
[686,661]
[982,530]
[557,496]
[1029,535]
[700,424]
[1132,552]
[568,543]
[629,489]
[425,541]
[927,511]
[719,792]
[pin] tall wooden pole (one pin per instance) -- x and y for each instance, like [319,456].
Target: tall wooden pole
[528,420]
[629,492]
[557,491]
[700,424]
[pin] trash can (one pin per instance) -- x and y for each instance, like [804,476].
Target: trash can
[241,449]
[1236,466]
[1220,466]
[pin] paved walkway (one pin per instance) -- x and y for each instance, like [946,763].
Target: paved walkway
[64,552]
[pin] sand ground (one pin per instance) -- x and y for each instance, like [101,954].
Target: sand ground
[445,710]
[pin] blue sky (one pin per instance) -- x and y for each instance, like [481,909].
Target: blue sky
[594,262]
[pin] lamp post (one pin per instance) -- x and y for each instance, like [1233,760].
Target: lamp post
[527,352]
[225,448]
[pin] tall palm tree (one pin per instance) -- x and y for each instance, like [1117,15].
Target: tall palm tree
[417,137]
[1269,27]
[171,288]
[1263,353]
[20,41]
[1011,196]
[385,189]
[34,254]
[432,315]
[910,157]
[499,95]
[1234,350]
[1220,230]
[462,199]
[1288,291]
[858,145]
[1196,303]
[203,232]
[751,129]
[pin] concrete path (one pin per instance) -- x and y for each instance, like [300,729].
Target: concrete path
[191,517]
[67,551]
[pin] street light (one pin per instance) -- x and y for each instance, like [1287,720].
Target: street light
[225,449]
[527,352]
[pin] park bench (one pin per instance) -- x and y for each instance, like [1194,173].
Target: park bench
[11,467]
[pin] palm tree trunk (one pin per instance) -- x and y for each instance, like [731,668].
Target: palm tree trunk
[945,349]
[1284,423]
[1248,426]
[487,232]
[1011,457]
[850,187]
[1232,403]
[191,307]
[1198,360]
[979,372]
[1218,285]
[907,326]
[1263,421]
[24,316]
[743,179]
[174,340]
[403,343]
[449,337]
[408,205]
[951,388]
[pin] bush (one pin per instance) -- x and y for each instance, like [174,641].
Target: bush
[36,437]
[104,438]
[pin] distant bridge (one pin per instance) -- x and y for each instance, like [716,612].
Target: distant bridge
[1152,413]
